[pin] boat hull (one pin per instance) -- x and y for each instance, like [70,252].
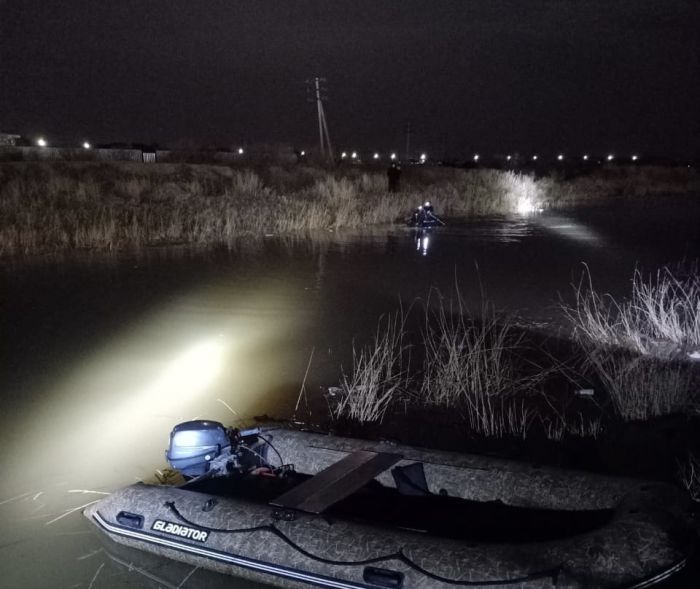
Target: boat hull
[295,549]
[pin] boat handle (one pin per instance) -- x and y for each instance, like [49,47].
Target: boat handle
[383,577]
[132,520]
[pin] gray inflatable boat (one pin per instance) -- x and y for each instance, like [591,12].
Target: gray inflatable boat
[294,509]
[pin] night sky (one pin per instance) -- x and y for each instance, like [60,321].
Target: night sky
[486,75]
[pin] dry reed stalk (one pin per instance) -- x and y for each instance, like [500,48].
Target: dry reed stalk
[379,376]
[473,365]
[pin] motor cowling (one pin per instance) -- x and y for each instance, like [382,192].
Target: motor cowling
[194,444]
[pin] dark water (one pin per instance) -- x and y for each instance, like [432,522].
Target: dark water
[102,355]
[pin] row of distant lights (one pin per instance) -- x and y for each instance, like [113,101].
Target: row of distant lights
[423,157]
[353,156]
[41,142]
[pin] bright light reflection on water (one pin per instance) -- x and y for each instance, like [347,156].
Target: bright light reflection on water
[106,422]
[111,416]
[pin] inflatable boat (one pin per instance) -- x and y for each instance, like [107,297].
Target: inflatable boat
[296,509]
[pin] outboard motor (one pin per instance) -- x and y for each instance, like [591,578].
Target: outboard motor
[208,448]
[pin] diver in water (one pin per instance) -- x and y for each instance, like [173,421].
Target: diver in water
[418,217]
[424,216]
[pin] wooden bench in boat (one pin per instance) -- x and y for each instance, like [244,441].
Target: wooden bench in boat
[337,481]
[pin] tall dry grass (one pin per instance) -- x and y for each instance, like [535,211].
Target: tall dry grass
[641,349]
[473,364]
[54,206]
[379,377]
[642,387]
[661,318]
[470,364]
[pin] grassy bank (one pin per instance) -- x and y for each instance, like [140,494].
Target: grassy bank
[57,206]
[635,361]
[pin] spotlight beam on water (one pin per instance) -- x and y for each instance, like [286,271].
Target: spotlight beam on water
[106,421]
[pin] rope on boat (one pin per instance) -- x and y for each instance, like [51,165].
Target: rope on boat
[400,556]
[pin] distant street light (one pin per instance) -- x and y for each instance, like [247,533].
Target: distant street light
[376,156]
[41,142]
[343,155]
[534,158]
[585,157]
[353,155]
[509,157]
[423,157]
[476,157]
[302,152]
[86,145]
[610,157]
[240,151]
[560,157]
[392,156]
[635,158]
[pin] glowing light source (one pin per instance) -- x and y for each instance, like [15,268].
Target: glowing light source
[86,145]
[240,151]
[189,374]
[585,157]
[41,142]
[635,158]
[392,156]
[423,157]
[476,157]
[303,152]
[376,156]
[353,155]
[560,157]
[525,205]
[610,157]
[534,158]
[509,157]
[343,155]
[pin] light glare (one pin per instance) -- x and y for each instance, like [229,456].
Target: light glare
[86,145]
[41,142]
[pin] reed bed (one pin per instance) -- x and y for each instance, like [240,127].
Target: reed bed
[642,349]
[59,206]
[470,365]
[661,318]
[642,387]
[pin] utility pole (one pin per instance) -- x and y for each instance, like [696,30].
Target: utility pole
[317,87]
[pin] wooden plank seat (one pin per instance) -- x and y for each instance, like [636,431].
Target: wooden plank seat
[337,481]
